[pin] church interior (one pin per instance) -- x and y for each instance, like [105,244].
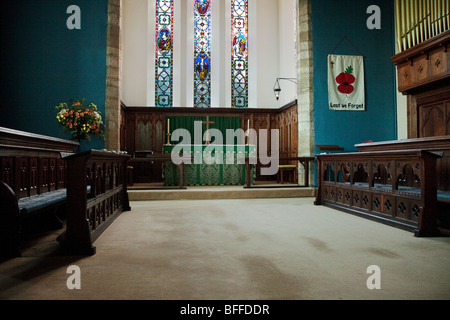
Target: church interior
[225,150]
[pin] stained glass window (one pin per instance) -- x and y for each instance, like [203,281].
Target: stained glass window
[164,53]
[202,54]
[239,57]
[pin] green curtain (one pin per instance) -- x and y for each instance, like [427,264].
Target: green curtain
[220,123]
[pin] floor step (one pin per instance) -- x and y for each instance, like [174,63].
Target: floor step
[219,192]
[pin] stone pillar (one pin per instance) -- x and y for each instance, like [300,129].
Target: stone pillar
[305,88]
[113,60]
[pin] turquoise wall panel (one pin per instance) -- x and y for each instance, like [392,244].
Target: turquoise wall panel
[331,21]
[45,63]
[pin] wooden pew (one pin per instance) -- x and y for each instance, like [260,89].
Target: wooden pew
[438,144]
[395,187]
[96,196]
[32,183]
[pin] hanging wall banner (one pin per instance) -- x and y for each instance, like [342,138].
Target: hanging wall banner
[346,82]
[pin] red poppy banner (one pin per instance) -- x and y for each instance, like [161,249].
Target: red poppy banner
[346,82]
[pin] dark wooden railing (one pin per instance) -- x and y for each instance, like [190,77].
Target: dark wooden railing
[30,163]
[96,196]
[394,187]
[438,144]
[32,180]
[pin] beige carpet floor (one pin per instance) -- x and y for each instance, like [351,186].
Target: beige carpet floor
[263,249]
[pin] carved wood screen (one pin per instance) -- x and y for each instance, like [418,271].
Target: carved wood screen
[143,129]
[434,114]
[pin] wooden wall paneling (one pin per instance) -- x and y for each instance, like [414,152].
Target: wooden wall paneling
[432,120]
[131,133]
[424,63]
[421,68]
[275,125]
[405,74]
[160,139]
[144,132]
[412,114]
[282,124]
[160,133]
[288,121]
[269,133]
[7,171]
[447,122]
[123,128]
[154,120]
[431,111]
[139,133]
[294,121]
[260,122]
[439,62]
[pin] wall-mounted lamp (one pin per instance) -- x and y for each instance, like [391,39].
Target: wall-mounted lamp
[276,87]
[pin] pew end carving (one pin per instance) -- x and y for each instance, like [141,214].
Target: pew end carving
[96,196]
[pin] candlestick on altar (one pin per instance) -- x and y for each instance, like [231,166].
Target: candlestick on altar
[247,134]
[168,133]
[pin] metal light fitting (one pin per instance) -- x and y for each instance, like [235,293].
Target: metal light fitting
[277,88]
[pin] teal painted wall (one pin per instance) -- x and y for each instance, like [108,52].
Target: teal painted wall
[44,63]
[331,21]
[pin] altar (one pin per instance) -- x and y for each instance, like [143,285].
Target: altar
[211,165]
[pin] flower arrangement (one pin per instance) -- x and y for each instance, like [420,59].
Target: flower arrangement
[79,120]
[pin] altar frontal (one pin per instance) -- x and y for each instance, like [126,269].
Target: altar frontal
[216,163]
[212,165]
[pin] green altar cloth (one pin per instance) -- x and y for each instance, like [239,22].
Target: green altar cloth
[212,165]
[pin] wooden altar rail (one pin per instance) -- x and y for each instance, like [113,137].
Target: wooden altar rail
[32,182]
[96,196]
[397,188]
[304,161]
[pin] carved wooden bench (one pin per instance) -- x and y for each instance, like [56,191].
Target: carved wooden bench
[438,144]
[96,196]
[394,187]
[32,184]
